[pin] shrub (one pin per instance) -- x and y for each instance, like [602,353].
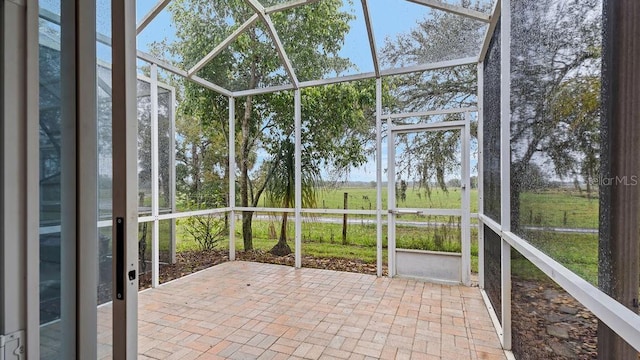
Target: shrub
[206,230]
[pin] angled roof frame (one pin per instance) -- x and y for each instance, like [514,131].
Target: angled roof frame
[262,13]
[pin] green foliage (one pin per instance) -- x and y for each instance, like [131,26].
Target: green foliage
[206,230]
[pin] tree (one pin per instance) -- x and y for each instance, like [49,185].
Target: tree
[281,188]
[555,87]
[344,113]
[430,156]
[312,36]
[556,52]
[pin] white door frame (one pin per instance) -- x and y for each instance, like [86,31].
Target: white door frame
[19,300]
[125,180]
[465,212]
[19,241]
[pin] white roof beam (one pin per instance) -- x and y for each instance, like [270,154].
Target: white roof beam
[454,9]
[363,76]
[223,45]
[259,91]
[146,20]
[372,40]
[260,10]
[257,6]
[495,15]
[198,80]
[287,6]
[163,64]
[430,66]
[280,49]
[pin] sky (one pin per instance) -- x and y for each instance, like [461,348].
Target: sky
[389,18]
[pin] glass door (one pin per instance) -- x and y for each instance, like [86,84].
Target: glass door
[57,167]
[88,283]
[428,189]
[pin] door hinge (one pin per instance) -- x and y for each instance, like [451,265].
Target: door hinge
[12,346]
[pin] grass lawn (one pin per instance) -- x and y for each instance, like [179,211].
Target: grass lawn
[552,208]
[577,252]
[364,198]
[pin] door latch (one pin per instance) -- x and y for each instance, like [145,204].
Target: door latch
[12,346]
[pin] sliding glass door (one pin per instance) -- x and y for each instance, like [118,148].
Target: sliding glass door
[80,298]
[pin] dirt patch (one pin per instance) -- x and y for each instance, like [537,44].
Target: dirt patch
[338,264]
[548,323]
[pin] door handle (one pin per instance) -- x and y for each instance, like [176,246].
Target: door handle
[120,258]
[406,212]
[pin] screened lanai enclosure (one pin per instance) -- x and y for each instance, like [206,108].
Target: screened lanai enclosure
[459,142]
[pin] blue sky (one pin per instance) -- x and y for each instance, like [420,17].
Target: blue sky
[389,18]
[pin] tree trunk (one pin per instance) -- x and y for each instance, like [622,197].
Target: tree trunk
[247,232]
[195,170]
[245,151]
[515,200]
[282,247]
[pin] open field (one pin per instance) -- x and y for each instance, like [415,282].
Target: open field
[564,208]
[322,233]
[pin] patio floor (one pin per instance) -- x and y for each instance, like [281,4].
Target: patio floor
[243,310]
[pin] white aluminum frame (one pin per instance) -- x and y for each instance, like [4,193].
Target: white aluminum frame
[223,45]
[454,9]
[298,178]
[264,14]
[371,36]
[125,165]
[466,200]
[465,207]
[391,199]
[378,176]
[480,137]
[232,178]
[505,167]
[155,174]
[147,18]
[618,317]
[497,7]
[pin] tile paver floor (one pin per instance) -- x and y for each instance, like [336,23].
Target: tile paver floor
[244,310]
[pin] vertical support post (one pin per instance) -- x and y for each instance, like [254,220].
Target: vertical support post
[466,201]
[232,178]
[155,174]
[297,100]
[86,180]
[505,167]
[125,169]
[379,177]
[619,245]
[345,218]
[172,176]
[480,136]
[391,198]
